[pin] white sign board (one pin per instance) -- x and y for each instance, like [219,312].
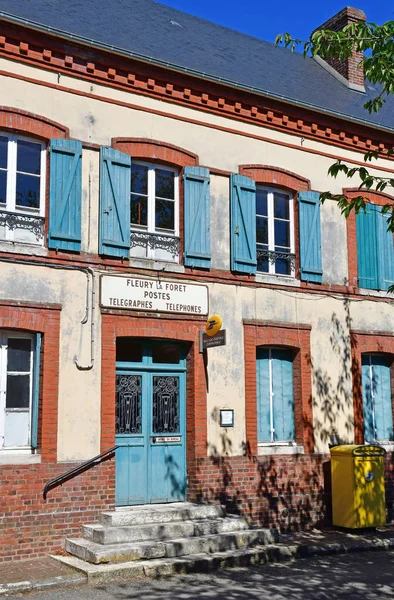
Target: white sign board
[135,293]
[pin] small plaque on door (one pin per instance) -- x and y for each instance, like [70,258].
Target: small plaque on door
[166,439]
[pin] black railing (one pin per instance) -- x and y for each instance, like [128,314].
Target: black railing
[92,462]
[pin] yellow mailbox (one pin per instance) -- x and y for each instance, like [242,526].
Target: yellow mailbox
[358,497]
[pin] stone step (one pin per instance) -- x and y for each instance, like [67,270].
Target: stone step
[161,567]
[96,553]
[102,534]
[162,513]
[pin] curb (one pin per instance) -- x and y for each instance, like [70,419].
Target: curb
[8,589]
[259,555]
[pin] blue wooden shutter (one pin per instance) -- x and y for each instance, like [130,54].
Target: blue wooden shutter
[367,248]
[382,397]
[243,224]
[385,251]
[36,391]
[115,182]
[283,401]
[65,195]
[197,217]
[369,430]
[310,236]
[263,396]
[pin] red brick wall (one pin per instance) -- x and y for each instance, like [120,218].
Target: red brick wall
[286,492]
[30,526]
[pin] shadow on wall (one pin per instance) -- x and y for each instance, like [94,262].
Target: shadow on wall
[289,492]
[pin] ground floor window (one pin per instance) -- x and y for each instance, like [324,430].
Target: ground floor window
[19,375]
[377,404]
[275,398]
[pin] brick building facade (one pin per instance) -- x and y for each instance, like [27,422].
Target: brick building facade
[141,190]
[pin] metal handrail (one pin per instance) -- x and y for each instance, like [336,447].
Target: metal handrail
[85,466]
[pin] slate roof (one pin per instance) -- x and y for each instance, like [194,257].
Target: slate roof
[162,34]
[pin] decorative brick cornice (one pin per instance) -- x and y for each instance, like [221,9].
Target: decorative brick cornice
[143,148]
[36,125]
[30,47]
[270,175]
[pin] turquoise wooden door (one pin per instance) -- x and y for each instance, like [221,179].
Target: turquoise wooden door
[150,424]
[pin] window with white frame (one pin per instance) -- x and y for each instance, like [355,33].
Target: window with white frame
[275,232]
[275,398]
[22,189]
[17,374]
[377,403]
[154,212]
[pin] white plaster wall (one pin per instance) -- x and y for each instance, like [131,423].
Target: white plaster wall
[93,120]
[220,222]
[79,392]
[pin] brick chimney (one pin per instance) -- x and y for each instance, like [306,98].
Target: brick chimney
[348,69]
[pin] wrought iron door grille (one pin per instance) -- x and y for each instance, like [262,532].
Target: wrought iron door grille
[128,404]
[165,407]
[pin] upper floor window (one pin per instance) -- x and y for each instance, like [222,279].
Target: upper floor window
[22,189]
[154,212]
[377,403]
[262,231]
[274,232]
[375,250]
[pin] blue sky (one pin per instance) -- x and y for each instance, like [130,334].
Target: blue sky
[265,19]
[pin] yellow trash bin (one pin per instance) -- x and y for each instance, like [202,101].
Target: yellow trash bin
[358,497]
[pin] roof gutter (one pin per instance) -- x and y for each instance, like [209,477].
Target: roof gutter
[174,67]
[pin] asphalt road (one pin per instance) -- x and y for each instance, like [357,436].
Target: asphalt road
[363,576]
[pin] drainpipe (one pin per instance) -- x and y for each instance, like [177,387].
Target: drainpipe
[88,271]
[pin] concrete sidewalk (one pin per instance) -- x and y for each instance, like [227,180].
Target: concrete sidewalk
[40,573]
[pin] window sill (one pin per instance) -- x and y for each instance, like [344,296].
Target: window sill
[378,293]
[156,265]
[277,279]
[388,446]
[19,458]
[274,449]
[23,248]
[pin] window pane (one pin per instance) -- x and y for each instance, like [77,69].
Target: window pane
[261,202]
[18,354]
[28,157]
[262,230]
[165,184]
[282,233]
[18,391]
[27,191]
[165,215]
[281,206]
[139,210]
[282,267]
[166,353]
[128,350]
[3,186]
[262,265]
[3,152]
[139,179]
